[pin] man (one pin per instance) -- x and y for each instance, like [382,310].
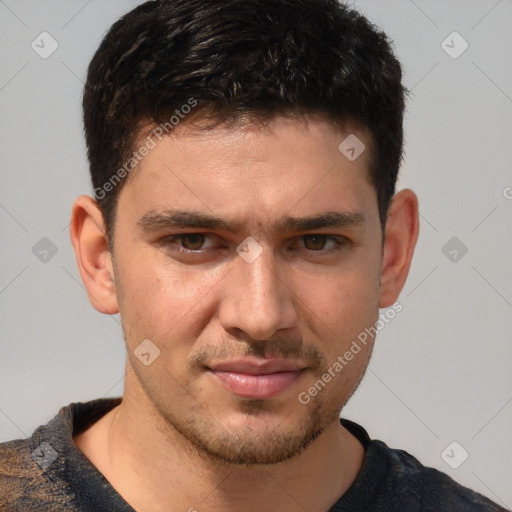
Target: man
[243,155]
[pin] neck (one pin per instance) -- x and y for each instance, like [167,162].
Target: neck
[155,468]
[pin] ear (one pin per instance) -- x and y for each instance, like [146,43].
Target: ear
[89,239]
[401,234]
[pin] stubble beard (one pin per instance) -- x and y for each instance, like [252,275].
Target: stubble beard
[215,443]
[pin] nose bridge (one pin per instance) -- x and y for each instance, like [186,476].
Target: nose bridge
[257,301]
[261,277]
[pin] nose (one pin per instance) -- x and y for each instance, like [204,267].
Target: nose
[256,300]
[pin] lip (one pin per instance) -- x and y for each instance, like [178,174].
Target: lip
[257,379]
[253,366]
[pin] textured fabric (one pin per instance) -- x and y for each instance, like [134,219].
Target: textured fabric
[47,472]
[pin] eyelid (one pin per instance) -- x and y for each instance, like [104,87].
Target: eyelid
[170,239]
[339,242]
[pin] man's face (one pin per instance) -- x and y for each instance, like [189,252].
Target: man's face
[242,334]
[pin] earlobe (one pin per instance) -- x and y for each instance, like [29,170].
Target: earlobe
[401,234]
[89,239]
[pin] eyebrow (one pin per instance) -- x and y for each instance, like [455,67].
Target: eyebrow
[182,219]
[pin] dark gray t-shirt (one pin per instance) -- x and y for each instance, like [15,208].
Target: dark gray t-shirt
[47,472]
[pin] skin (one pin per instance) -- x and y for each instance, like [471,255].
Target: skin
[180,440]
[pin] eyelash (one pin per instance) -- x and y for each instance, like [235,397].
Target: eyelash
[339,241]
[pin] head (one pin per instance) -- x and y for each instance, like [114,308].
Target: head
[212,123]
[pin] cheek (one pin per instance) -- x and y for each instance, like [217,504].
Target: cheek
[343,301]
[159,299]
[344,310]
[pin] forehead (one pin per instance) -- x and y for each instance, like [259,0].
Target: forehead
[255,169]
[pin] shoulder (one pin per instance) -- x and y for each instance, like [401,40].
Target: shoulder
[24,483]
[407,481]
[46,471]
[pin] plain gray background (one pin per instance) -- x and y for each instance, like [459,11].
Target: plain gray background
[440,372]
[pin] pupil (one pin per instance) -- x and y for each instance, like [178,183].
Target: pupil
[315,243]
[193,242]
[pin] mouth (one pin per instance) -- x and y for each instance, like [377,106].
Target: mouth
[257,379]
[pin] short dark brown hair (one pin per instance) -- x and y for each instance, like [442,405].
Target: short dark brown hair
[239,59]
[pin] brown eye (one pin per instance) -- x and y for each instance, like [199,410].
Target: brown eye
[314,242]
[193,241]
